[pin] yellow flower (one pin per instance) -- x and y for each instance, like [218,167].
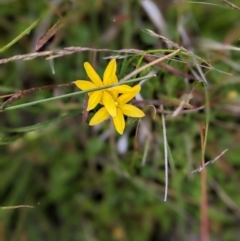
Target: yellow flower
[106,96]
[122,108]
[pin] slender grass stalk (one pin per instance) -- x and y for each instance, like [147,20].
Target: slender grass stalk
[68,95]
[137,71]
[207,111]
[165,144]
[26,31]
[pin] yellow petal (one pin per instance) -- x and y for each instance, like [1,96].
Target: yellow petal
[109,76]
[100,116]
[92,74]
[94,99]
[132,111]
[136,88]
[109,103]
[124,98]
[119,121]
[123,89]
[84,84]
[115,79]
[114,94]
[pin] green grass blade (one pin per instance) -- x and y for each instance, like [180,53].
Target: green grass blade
[68,95]
[7,140]
[42,124]
[26,31]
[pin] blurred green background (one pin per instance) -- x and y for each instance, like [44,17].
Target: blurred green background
[89,183]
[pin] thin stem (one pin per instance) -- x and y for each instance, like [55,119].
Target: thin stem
[165,154]
[68,95]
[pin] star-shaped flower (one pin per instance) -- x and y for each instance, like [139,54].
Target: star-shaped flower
[122,108]
[105,96]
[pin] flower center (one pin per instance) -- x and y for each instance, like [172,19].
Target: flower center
[116,103]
